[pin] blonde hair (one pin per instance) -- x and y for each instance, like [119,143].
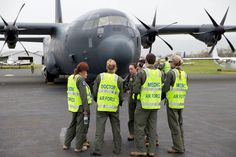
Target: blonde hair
[111,66]
[178,61]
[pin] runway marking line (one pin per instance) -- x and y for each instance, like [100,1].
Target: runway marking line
[9,75]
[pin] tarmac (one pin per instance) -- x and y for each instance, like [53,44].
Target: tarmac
[33,117]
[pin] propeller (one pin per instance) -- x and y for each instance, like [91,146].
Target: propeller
[152,32]
[11,32]
[218,31]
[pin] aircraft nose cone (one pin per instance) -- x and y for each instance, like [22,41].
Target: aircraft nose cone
[119,48]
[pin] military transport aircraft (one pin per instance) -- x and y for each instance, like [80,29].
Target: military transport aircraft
[99,35]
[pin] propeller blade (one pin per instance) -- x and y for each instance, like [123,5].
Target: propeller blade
[18,14]
[23,46]
[230,44]
[167,25]
[146,26]
[166,42]
[212,48]
[3,47]
[212,20]
[223,20]
[6,24]
[150,50]
[154,19]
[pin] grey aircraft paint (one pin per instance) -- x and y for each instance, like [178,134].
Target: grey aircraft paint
[99,35]
[85,40]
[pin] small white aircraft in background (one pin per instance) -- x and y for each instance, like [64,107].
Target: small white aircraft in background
[225,62]
[9,61]
[12,62]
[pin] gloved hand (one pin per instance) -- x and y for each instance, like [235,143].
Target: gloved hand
[120,103]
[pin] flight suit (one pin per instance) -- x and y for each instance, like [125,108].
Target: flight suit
[174,113]
[107,110]
[145,118]
[77,129]
[131,102]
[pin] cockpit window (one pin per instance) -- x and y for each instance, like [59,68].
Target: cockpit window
[112,20]
[106,20]
[90,24]
[118,20]
[103,21]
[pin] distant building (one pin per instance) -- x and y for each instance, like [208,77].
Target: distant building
[37,56]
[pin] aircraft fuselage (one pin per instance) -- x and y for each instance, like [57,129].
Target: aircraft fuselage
[227,63]
[94,38]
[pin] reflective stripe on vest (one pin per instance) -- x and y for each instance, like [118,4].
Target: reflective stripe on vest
[89,95]
[150,95]
[176,94]
[73,95]
[166,67]
[108,93]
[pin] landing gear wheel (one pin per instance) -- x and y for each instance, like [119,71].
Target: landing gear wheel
[48,77]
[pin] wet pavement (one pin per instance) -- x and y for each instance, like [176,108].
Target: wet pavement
[33,116]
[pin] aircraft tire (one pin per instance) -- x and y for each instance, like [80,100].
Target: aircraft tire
[50,77]
[47,76]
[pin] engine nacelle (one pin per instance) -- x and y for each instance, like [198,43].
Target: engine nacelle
[11,35]
[147,41]
[208,38]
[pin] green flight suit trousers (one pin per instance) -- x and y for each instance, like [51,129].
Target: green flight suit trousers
[77,130]
[145,118]
[175,121]
[101,118]
[131,109]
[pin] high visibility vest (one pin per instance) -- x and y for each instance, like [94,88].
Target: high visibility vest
[176,94]
[73,94]
[108,93]
[150,95]
[166,67]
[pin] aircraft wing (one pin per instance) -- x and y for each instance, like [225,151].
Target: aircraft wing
[28,29]
[180,29]
[33,28]
[203,58]
[28,39]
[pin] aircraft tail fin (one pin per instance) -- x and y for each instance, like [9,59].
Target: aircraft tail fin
[58,12]
[184,54]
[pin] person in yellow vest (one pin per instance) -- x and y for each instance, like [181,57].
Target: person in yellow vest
[176,87]
[107,92]
[79,99]
[166,66]
[147,92]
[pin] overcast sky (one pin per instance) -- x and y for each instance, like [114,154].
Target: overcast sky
[187,12]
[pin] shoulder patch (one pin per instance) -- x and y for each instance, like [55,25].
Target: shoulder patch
[83,83]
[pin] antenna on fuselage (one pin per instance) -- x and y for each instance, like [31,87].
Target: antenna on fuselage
[58,13]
